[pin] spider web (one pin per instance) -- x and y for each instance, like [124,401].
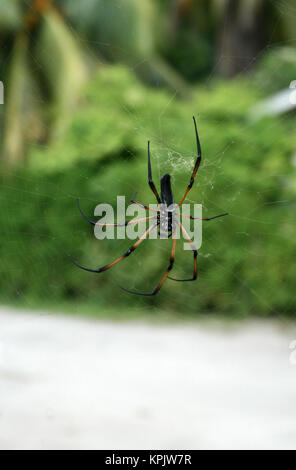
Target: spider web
[168,156]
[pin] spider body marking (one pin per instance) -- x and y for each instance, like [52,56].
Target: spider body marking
[166,220]
[167,208]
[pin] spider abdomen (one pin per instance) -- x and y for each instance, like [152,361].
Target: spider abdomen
[167,221]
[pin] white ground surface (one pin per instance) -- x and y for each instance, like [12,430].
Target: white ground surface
[72,383]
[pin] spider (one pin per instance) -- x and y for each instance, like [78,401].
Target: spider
[165,219]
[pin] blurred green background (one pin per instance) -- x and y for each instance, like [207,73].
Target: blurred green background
[86,85]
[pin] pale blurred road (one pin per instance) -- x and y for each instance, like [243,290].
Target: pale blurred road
[68,383]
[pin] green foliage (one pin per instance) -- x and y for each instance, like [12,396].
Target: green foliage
[277,69]
[245,262]
[190,54]
[10,15]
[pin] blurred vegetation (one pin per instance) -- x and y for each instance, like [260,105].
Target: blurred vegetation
[78,114]
[50,48]
[103,154]
[31,75]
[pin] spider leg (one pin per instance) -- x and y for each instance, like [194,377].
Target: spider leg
[125,255]
[169,235]
[196,166]
[128,222]
[133,200]
[194,258]
[204,218]
[160,284]
[150,182]
[92,222]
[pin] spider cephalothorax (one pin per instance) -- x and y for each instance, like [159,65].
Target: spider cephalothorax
[167,207]
[166,220]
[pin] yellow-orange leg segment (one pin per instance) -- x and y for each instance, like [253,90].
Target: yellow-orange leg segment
[150,181]
[196,166]
[194,257]
[142,205]
[125,255]
[128,222]
[160,284]
[203,218]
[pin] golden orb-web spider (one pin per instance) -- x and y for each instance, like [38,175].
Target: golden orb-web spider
[166,220]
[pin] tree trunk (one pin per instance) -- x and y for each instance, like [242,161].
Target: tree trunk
[241,34]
